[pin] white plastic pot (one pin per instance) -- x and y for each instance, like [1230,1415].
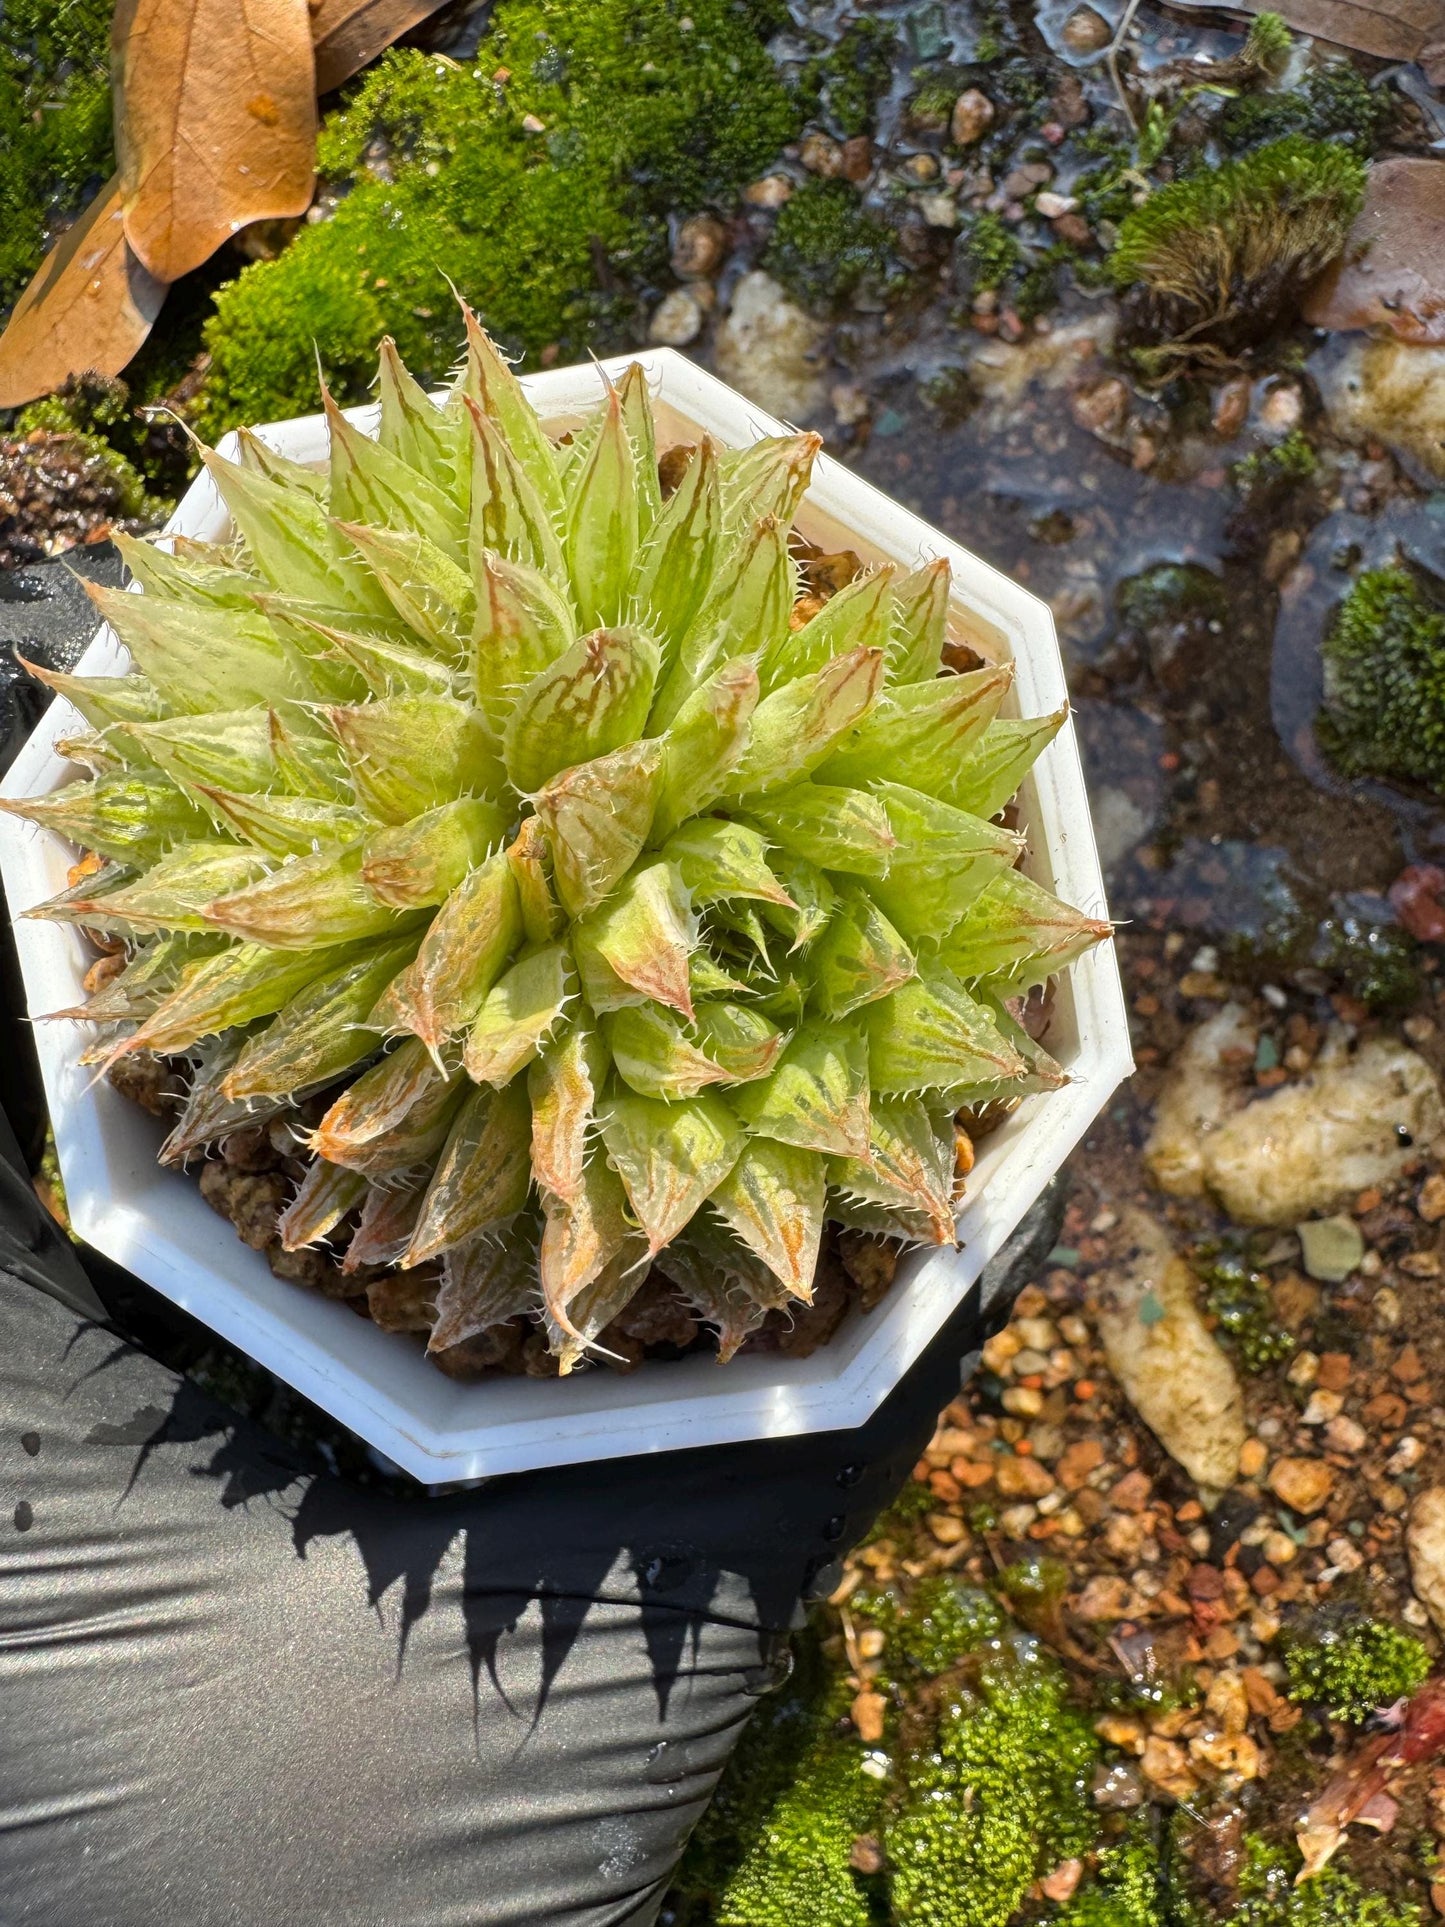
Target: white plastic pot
[156,1224]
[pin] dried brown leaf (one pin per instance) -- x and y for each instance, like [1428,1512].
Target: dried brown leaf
[90,307]
[1392,29]
[1392,273]
[215,121]
[349,34]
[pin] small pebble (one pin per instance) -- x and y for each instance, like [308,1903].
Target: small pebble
[1332,1248]
[973,115]
[677,319]
[1086,32]
[770,192]
[1303,1484]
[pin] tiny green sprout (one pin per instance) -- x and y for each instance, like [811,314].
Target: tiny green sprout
[992,252]
[1357,1669]
[1239,1299]
[1268,44]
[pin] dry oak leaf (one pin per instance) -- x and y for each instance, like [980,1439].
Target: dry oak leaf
[215,121]
[90,306]
[1391,29]
[349,34]
[1391,274]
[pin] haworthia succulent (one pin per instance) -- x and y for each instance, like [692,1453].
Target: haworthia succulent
[624,905]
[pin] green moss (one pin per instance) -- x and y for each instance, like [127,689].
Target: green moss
[942,1624]
[1268,44]
[1356,1669]
[848,80]
[992,252]
[1130,1888]
[1268,1896]
[1384,661]
[772,1850]
[1377,962]
[1333,102]
[647,107]
[1222,255]
[1239,1299]
[826,246]
[998,1797]
[55,145]
[1268,476]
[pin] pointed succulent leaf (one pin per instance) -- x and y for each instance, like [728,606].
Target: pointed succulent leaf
[101,700]
[582,1235]
[389,1213]
[462,954]
[430,592]
[719,859]
[135,818]
[657,1057]
[532,870]
[592,699]
[744,1042]
[1002,759]
[909,1165]
[232,750]
[597,816]
[676,566]
[523,623]
[564,1085]
[857,617]
[417,864]
[291,539]
[306,758]
[519,1015]
[637,419]
[859,958]
[151,974]
[705,742]
[222,992]
[483,1175]
[830,825]
[920,734]
[199,660]
[407,754]
[921,623]
[1042,1073]
[774,1200]
[931,1035]
[602,521]
[282,825]
[817,1097]
[794,729]
[306,901]
[770,477]
[415,430]
[670,1157]
[372,485]
[409,1143]
[1019,933]
[718,1298]
[174,892]
[489,383]
[208,1116]
[641,939]
[508,515]
[327,1194]
[322,1031]
[174,578]
[944,859]
[384,666]
[259,458]
[812,895]
[380,1099]
[486,1282]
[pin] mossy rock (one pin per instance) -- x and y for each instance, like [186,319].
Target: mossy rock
[1384,661]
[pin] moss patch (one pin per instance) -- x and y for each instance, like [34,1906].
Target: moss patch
[1385,680]
[826,246]
[538,179]
[55,145]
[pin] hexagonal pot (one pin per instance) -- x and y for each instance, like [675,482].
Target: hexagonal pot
[155,1222]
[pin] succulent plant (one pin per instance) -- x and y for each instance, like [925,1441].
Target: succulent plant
[627,905]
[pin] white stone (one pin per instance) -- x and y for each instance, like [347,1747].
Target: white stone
[677,319]
[770,349]
[1168,1364]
